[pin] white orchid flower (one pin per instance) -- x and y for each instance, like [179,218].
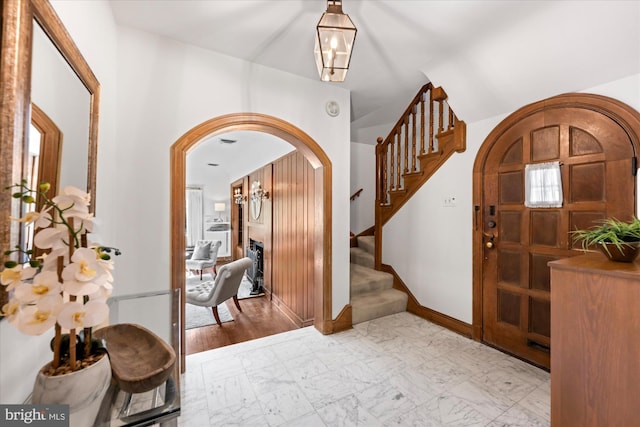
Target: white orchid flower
[11,277]
[106,269]
[80,218]
[73,201]
[107,264]
[44,220]
[51,238]
[75,315]
[43,284]
[39,318]
[50,260]
[10,311]
[104,292]
[84,265]
[82,276]
[74,287]
[40,219]
[65,269]
[82,222]
[83,197]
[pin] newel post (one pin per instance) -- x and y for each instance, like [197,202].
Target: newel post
[380,194]
[379,177]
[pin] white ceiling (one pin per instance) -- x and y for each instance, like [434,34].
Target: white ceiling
[490,56]
[251,151]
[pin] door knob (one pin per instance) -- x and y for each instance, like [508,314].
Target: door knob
[489,245]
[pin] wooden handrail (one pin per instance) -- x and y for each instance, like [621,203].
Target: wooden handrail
[355,195]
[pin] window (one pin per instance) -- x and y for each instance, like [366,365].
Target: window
[543,185]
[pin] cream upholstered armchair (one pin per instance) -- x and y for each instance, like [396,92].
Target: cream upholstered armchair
[225,286]
[205,255]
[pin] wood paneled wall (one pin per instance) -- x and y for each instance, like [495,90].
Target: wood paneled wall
[293,225]
[286,227]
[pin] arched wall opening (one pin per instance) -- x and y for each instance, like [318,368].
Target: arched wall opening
[322,170]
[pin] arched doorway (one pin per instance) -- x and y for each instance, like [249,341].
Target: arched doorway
[322,170]
[594,140]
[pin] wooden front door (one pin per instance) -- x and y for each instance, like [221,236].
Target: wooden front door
[596,157]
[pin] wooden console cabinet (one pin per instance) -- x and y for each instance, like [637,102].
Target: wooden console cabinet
[595,342]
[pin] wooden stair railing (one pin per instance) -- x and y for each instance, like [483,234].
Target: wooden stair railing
[355,195]
[425,136]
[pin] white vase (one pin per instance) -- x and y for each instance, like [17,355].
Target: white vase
[82,390]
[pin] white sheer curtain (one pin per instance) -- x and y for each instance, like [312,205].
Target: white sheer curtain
[543,185]
[194,215]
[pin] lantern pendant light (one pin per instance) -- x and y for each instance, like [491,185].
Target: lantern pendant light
[334,42]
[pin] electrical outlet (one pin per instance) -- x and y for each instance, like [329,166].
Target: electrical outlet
[449,202]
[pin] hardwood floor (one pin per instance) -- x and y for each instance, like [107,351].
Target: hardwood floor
[259,318]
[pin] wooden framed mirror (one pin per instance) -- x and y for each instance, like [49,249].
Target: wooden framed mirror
[29,28]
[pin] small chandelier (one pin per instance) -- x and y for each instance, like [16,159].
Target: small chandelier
[334,42]
[257,192]
[238,198]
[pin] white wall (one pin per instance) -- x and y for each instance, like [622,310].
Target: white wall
[153,91]
[92,26]
[588,42]
[167,88]
[430,246]
[363,175]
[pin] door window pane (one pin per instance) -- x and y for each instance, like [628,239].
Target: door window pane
[543,185]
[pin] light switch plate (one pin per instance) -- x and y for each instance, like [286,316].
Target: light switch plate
[449,201]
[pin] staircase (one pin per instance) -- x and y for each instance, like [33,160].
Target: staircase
[372,293]
[427,134]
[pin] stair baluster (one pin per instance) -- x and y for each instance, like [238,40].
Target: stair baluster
[402,166]
[413,140]
[422,125]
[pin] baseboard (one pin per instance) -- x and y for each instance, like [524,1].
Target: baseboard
[414,307]
[341,323]
[344,320]
[284,309]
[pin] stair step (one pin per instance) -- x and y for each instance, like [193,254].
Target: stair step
[367,243]
[365,280]
[411,178]
[373,305]
[361,257]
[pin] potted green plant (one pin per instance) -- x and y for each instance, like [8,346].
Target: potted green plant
[618,240]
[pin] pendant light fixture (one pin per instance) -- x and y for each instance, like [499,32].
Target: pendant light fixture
[334,42]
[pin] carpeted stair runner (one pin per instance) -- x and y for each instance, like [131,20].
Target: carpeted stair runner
[372,293]
[361,257]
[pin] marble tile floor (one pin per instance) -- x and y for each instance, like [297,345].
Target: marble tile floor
[398,370]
